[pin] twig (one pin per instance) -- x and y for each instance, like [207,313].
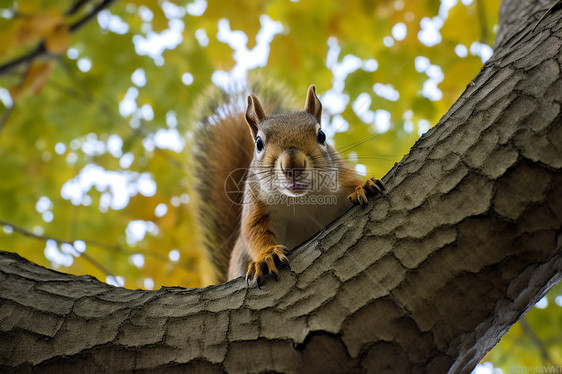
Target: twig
[94,262]
[41,50]
[119,249]
[528,330]
[78,24]
[104,109]
[76,7]
[71,73]
[545,14]
[28,233]
[36,53]
[94,243]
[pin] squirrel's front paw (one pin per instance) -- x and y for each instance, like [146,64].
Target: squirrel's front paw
[266,264]
[371,187]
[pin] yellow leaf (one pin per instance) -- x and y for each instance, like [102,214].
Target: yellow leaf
[28,6]
[38,26]
[34,80]
[58,40]
[8,36]
[460,25]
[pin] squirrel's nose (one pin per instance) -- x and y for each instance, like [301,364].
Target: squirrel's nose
[292,163]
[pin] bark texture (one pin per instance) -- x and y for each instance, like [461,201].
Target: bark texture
[427,279]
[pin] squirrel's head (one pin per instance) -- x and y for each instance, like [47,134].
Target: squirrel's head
[290,148]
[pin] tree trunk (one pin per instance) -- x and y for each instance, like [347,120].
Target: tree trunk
[426,279]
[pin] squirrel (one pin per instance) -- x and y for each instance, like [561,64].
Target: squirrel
[268,182]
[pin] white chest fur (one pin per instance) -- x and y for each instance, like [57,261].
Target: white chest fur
[294,220]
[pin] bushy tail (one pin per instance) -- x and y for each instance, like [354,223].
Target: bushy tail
[222,151]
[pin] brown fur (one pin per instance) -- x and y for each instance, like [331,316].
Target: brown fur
[220,233]
[222,145]
[256,234]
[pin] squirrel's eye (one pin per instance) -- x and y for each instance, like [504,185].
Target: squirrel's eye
[321,137]
[259,144]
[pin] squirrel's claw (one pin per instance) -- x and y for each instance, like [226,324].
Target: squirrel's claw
[358,196]
[371,187]
[374,186]
[266,264]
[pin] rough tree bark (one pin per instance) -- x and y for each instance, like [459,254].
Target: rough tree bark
[425,280]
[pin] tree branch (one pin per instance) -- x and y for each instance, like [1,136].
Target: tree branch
[528,330]
[95,243]
[76,7]
[80,23]
[426,280]
[41,51]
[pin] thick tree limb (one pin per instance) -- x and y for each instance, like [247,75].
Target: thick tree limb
[427,280]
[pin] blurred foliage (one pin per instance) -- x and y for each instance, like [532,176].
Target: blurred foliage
[75,104]
[534,344]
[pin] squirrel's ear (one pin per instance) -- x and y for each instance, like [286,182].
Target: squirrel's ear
[254,114]
[313,105]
